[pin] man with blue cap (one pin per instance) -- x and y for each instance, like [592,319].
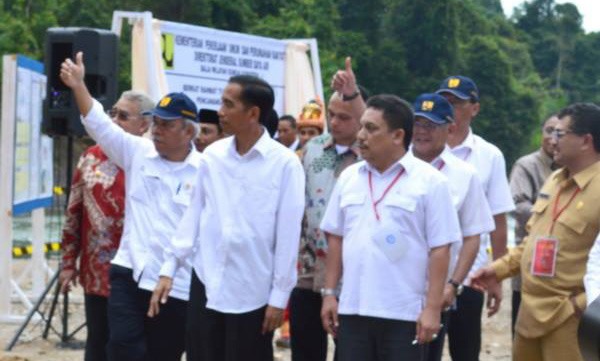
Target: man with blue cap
[434,120]
[465,322]
[160,175]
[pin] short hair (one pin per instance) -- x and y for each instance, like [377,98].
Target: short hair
[194,125]
[256,92]
[289,118]
[397,113]
[585,119]
[142,99]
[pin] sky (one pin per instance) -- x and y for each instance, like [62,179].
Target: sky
[587,8]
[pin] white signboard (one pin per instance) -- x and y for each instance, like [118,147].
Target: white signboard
[199,61]
[33,150]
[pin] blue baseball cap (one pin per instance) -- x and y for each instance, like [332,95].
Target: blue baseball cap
[435,108]
[173,106]
[460,86]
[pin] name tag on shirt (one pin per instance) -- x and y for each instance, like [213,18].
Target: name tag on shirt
[388,238]
[544,257]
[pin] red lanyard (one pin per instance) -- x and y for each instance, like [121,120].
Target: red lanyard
[441,166]
[468,154]
[557,212]
[376,202]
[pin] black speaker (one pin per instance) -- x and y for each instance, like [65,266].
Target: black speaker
[100,56]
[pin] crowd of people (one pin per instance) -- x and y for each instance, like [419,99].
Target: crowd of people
[208,235]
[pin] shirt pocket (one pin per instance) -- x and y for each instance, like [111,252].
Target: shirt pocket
[401,209]
[538,208]
[352,205]
[574,224]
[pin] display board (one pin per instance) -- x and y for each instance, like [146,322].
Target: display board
[198,61]
[33,175]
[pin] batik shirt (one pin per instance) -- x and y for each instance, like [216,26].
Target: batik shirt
[94,220]
[323,162]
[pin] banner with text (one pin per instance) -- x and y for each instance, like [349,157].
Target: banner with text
[198,61]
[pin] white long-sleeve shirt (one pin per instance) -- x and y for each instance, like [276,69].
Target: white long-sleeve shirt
[243,227]
[157,192]
[489,162]
[591,280]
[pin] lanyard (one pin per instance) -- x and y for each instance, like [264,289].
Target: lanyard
[557,212]
[468,154]
[387,189]
[441,166]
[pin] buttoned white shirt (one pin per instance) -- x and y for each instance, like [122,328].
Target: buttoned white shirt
[157,192]
[419,209]
[491,170]
[474,214]
[243,227]
[591,279]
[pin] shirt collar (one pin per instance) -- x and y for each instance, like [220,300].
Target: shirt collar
[294,145]
[406,162]
[582,178]
[262,145]
[330,144]
[545,158]
[191,159]
[469,141]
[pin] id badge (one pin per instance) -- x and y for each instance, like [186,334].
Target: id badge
[388,238]
[544,257]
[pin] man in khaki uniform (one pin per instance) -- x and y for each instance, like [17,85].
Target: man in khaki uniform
[552,258]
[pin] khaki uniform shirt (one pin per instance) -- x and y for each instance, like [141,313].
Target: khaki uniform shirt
[526,179]
[545,301]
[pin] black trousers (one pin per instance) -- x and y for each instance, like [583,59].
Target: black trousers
[516,303]
[309,339]
[217,336]
[96,318]
[133,335]
[362,338]
[464,331]
[435,348]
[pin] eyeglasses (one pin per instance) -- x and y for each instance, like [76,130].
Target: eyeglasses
[559,133]
[120,114]
[549,130]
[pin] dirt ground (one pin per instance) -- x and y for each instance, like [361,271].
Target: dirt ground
[31,346]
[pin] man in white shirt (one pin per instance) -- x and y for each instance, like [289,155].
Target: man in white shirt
[159,176]
[434,118]
[389,223]
[243,232]
[464,333]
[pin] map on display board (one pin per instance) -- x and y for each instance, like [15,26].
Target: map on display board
[33,176]
[199,61]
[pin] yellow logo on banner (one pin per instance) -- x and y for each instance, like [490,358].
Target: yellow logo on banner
[164,101]
[167,44]
[453,83]
[427,105]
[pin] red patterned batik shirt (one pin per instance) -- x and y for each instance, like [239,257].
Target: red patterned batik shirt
[94,220]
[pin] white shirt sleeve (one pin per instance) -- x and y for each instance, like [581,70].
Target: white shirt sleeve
[591,280]
[333,219]
[441,219]
[475,216]
[118,145]
[498,193]
[287,237]
[183,242]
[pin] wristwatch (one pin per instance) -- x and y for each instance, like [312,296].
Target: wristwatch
[352,96]
[458,287]
[328,292]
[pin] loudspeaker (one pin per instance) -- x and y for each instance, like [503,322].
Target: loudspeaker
[100,56]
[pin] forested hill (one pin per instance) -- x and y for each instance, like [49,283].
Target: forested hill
[526,67]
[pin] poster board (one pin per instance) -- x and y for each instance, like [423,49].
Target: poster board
[199,61]
[33,176]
